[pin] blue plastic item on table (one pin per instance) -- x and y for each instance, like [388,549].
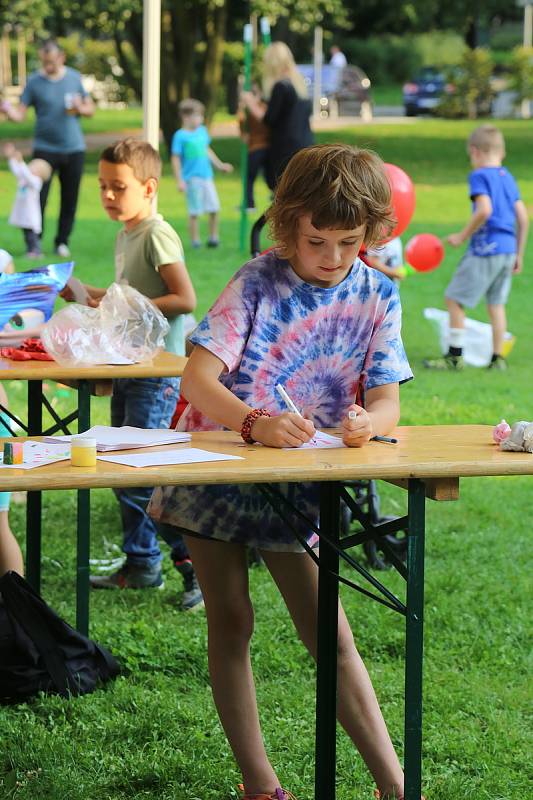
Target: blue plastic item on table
[35,288]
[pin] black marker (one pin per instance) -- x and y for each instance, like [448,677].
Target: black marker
[387,439]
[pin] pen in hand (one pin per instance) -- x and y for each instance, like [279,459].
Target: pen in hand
[286,399]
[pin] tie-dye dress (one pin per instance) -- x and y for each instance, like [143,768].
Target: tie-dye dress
[269,326]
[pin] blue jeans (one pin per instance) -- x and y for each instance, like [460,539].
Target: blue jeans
[143,403]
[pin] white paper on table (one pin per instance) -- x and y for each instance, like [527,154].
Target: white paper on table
[81,295]
[320,441]
[191,455]
[127,437]
[39,454]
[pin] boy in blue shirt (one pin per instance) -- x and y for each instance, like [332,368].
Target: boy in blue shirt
[192,161]
[498,232]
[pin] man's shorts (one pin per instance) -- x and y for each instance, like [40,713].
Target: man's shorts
[202,197]
[482,276]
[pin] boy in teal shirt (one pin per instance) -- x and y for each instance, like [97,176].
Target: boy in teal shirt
[192,161]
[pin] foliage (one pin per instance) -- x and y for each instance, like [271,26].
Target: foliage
[521,73]
[473,93]
[301,16]
[26,14]
[153,734]
[390,57]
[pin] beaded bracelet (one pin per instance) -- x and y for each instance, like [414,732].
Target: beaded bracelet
[249,421]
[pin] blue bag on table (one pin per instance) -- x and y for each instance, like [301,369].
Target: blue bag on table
[33,289]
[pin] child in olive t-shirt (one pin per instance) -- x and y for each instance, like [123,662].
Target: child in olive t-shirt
[148,257]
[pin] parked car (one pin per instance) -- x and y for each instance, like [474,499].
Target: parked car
[425,91]
[344,91]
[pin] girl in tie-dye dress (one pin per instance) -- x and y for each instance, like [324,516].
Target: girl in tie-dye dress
[311,316]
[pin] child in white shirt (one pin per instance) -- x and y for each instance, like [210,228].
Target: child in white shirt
[26,211]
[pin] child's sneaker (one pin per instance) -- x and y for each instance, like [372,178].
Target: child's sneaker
[63,250]
[129,576]
[34,254]
[499,364]
[446,362]
[278,794]
[213,243]
[192,598]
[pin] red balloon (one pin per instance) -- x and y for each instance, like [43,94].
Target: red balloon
[403,198]
[424,252]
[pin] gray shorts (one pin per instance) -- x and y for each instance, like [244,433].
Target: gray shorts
[478,276]
[202,197]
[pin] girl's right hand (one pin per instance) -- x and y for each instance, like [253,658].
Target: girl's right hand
[286,430]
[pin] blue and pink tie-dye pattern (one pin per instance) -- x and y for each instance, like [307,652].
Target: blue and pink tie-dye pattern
[268,327]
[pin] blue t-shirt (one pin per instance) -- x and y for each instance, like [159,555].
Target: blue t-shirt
[498,234]
[191,148]
[55,130]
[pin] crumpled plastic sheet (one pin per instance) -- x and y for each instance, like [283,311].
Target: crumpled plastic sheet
[125,326]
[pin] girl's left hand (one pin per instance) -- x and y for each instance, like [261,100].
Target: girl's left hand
[356,431]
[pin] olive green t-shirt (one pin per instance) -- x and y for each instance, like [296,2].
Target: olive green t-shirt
[138,255]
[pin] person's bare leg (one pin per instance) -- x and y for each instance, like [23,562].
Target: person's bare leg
[456,312]
[358,710]
[194,228]
[222,572]
[498,320]
[10,552]
[213,226]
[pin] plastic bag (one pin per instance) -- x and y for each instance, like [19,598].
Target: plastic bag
[477,349]
[34,290]
[126,327]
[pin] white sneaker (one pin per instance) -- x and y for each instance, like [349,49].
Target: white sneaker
[63,251]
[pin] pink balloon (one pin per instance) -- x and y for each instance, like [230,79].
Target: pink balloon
[424,252]
[403,198]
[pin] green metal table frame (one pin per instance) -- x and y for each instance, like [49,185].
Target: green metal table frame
[37,400]
[333,548]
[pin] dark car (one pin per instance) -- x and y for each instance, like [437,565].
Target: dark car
[344,91]
[423,94]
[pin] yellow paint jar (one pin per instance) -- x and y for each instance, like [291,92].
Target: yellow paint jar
[82,451]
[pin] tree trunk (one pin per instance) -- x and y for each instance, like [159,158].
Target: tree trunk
[177,63]
[215,32]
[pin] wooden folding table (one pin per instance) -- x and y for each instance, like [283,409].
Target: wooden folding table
[428,461]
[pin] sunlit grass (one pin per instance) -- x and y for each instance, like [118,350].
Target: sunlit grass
[154,732]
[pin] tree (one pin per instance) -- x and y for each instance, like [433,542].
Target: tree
[193,34]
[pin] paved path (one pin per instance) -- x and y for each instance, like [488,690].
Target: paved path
[386,115]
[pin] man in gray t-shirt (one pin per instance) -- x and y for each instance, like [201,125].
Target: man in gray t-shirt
[57,94]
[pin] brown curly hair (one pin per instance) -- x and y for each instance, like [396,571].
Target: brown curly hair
[340,186]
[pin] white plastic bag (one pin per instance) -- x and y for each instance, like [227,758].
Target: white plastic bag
[477,350]
[125,328]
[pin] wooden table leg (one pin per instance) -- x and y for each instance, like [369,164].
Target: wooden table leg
[326,682]
[414,641]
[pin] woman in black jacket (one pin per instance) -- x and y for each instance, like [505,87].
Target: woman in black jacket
[287,112]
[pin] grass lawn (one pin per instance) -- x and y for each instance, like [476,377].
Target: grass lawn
[154,733]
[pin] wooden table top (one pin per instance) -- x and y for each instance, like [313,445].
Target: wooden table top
[441,453]
[164,365]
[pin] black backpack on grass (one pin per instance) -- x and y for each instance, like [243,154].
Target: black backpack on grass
[40,652]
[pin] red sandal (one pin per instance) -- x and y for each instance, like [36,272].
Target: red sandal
[277,794]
